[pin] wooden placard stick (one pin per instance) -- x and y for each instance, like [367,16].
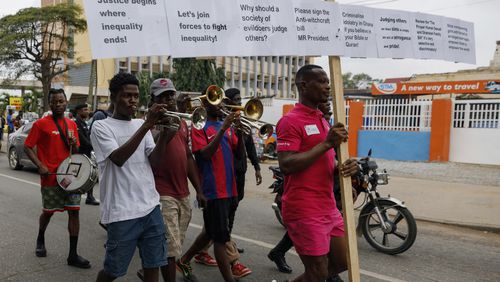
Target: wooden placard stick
[345,182]
[337,92]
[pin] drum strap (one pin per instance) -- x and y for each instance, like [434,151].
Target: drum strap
[62,134]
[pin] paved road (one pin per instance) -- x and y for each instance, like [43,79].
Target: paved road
[441,253]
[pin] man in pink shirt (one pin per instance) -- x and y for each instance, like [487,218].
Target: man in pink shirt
[306,156]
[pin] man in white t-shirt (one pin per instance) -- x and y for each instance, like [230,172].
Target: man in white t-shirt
[130,204]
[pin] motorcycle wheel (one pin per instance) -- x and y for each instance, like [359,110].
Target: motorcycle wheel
[277,209]
[401,229]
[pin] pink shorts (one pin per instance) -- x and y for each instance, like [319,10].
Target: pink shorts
[311,235]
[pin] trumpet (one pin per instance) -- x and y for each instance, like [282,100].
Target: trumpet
[264,130]
[198,118]
[214,95]
[252,111]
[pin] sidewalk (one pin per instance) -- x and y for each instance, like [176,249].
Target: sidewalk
[474,206]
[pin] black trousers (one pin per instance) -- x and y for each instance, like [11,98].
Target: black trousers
[284,245]
[240,187]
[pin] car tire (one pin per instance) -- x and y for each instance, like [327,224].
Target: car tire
[14,159]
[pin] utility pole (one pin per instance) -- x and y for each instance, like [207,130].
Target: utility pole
[91,100]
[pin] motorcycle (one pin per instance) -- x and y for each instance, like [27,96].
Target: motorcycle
[277,187]
[385,222]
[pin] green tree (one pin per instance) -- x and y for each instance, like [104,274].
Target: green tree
[30,101]
[35,41]
[195,75]
[361,76]
[145,81]
[351,81]
[4,101]
[347,81]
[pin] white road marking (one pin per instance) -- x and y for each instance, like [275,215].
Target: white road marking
[84,196]
[270,246]
[20,180]
[255,242]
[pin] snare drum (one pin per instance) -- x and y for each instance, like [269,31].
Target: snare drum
[77,174]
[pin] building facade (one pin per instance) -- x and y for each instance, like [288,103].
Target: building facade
[254,76]
[490,73]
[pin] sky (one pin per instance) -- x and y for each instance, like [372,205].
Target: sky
[483,13]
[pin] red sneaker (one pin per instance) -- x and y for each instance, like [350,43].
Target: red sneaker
[239,270]
[205,258]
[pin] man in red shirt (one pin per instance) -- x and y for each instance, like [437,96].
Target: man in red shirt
[172,165]
[306,157]
[53,136]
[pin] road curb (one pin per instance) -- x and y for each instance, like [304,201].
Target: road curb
[488,228]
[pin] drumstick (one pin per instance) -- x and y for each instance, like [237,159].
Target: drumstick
[56,173]
[70,136]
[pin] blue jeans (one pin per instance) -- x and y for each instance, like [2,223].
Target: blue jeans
[147,233]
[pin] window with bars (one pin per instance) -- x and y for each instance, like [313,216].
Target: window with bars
[476,114]
[397,114]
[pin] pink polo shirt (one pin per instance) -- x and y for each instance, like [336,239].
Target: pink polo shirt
[307,193]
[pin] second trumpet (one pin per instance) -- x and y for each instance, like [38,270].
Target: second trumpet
[198,118]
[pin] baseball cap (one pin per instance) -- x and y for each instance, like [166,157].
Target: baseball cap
[161,85]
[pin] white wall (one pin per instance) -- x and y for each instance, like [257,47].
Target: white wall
[475,145]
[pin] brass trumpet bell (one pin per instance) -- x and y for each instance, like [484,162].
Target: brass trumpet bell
[214,95]
[252,109]
[266,130]
[198,117]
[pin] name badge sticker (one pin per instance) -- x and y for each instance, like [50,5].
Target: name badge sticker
[311,129]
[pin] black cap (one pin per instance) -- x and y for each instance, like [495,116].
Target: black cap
[231,92]
[81,106]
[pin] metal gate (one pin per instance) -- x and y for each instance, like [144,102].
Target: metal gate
[475,132]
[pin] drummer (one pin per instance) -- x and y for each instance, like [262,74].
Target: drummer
[53,136]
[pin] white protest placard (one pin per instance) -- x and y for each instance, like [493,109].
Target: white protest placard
[203,28]
[394,36]
[428,37]
[318,28]
[267,27]
[200,28]
[459,45]
[127,28]
[358,31]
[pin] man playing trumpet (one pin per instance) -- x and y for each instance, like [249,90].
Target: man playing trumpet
[172,166]
[214,147]
[233,97]
[130,204]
